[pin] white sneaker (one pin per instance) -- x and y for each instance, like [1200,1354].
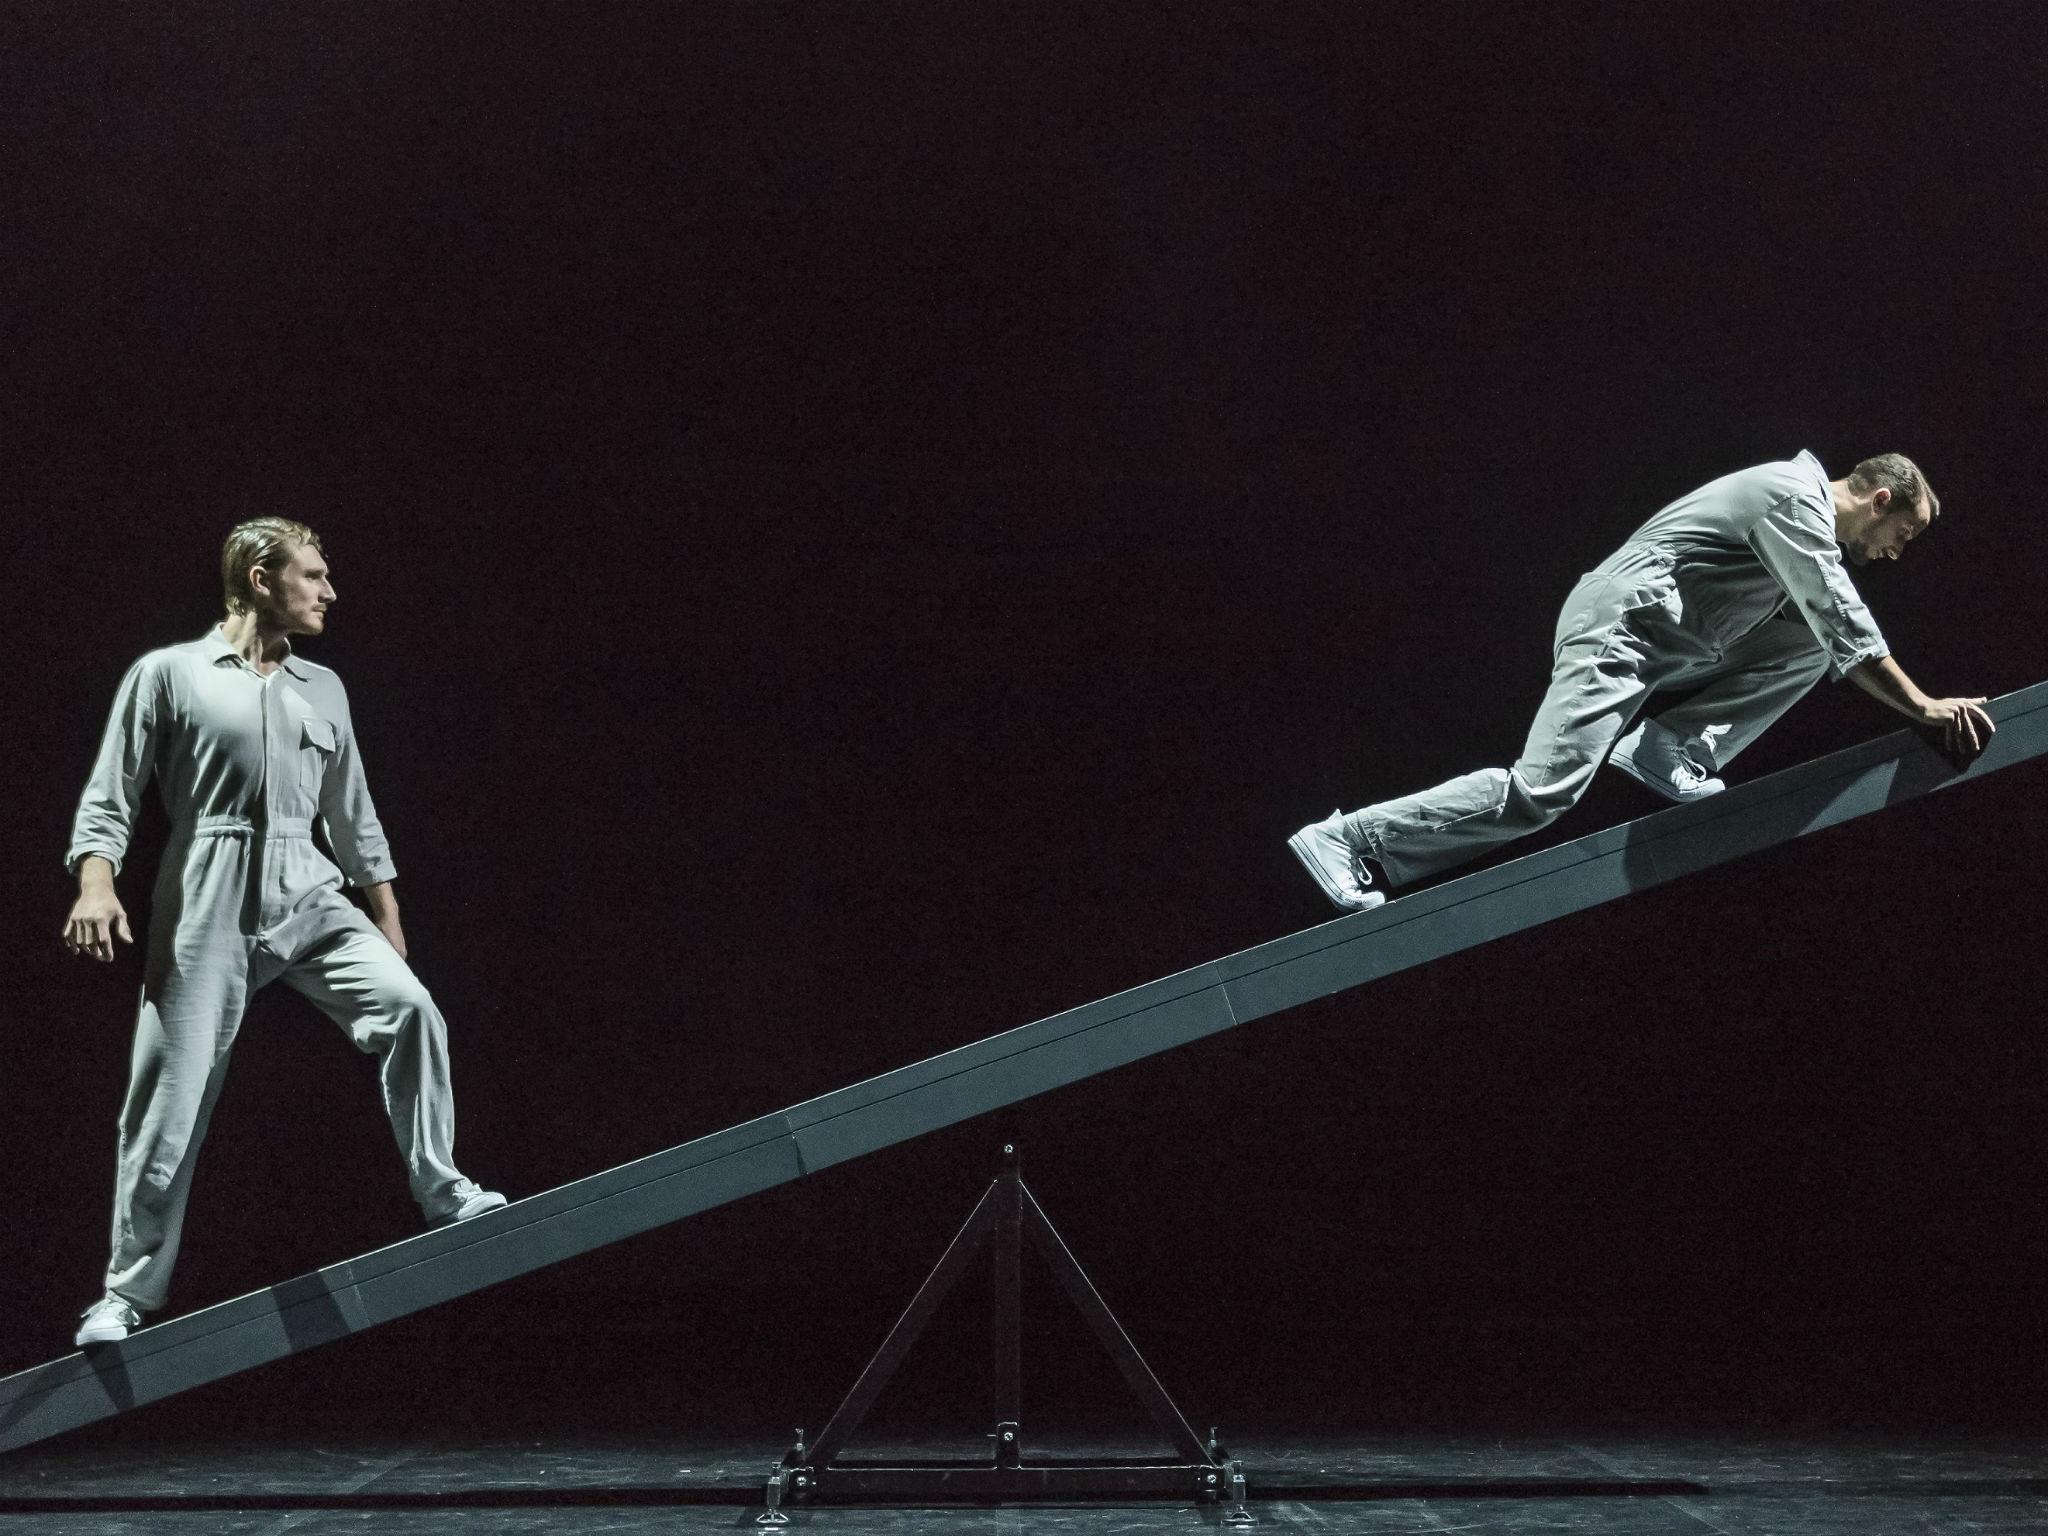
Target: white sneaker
[1656,757]
[107,1321]
[467,1200]
[1337,867]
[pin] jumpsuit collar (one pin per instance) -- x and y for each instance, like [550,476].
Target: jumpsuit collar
[1806,457]
[218,650]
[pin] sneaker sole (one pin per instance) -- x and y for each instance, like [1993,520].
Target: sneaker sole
[498,1203]
[99,1336]
[1330,889]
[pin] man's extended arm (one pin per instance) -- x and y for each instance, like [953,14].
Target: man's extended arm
[106,815]
[1965,729]
[1795,543]
[349,816]
[355,833]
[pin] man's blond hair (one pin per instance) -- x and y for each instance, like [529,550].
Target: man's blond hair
[265,541]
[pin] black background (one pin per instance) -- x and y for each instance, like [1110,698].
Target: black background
[859,526]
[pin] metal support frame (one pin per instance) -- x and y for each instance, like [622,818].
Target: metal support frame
[1006,1213]
[558,1224]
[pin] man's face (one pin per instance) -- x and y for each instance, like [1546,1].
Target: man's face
[297,597]
[1888,529]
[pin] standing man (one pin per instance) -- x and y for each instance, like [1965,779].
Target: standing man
[1737,590]
[250,745]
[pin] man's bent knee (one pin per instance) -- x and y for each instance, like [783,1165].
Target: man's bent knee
[1537,798]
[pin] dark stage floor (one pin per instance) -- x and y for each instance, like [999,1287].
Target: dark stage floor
[1613,1485]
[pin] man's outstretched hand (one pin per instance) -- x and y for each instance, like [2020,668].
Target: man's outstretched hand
[1965,729]
[1961,727]
[96,920]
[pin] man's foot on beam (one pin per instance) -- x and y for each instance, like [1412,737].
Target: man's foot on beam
[1348,877]
[107,1321]
[1656,758]
[462,1201]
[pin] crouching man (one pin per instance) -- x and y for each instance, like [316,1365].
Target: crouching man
[1738,591]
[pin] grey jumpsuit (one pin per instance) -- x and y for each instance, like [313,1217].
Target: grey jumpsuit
[245,764]
[1737,589]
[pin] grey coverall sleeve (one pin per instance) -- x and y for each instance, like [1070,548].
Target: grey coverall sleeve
[350,819]
[113,794]
[1798,548]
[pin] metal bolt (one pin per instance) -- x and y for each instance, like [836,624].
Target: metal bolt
[1007,1148]
[1009,1434]
[1210,1479]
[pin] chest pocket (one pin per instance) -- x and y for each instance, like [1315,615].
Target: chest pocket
[316,753]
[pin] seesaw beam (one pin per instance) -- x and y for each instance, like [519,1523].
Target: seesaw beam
[544,1229]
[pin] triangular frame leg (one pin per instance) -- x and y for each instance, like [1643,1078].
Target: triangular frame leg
[1006,1212]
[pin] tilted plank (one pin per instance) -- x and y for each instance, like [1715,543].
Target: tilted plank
[331,1303]
[621,1202]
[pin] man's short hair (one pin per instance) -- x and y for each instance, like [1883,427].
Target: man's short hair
[264,541]
[1899,475]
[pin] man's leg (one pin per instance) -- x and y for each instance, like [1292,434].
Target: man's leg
[195,984]
[1756,681]
[184,1030]
[1601,676]
[358,980]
